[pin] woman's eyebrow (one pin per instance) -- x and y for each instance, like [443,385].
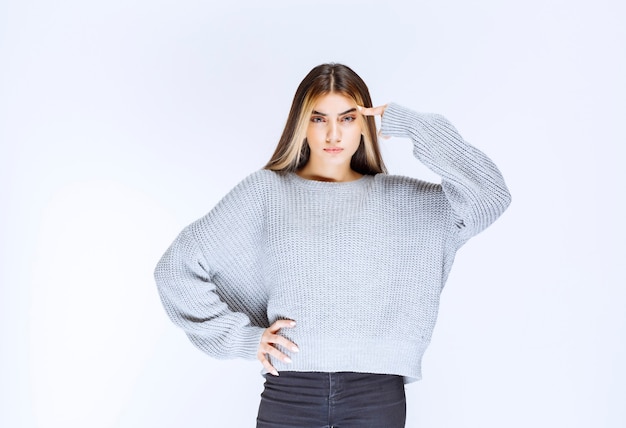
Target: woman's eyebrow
[315,112]
[353,109]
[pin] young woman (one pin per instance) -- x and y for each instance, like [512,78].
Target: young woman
[325,268]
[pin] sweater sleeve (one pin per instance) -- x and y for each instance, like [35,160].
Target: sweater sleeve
[471,182]
[202,278]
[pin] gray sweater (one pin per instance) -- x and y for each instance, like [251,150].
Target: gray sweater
[358,265]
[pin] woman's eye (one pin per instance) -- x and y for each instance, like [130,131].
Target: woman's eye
[317,119]
[349,119]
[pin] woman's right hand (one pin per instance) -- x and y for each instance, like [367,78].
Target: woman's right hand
[271,338]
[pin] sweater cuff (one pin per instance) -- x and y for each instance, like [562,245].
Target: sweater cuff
[249,340]
[397,121]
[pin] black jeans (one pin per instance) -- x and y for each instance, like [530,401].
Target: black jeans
[327,400]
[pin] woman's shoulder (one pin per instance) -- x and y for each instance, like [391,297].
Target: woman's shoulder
[243,203]
[259,180]
[404,184]
[413,194]
[255,188]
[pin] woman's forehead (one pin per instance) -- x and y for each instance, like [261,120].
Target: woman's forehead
[333,104]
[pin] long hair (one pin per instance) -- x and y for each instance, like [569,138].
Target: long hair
[292,151]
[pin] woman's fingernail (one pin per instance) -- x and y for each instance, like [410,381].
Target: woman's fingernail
[295,349]
[292,323]
[274,372]
[288,360]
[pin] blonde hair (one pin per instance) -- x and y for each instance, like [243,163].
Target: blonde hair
[292,151]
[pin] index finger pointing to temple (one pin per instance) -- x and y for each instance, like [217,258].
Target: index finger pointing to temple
[372,111]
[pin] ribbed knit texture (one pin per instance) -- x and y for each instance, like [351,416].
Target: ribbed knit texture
[358,265]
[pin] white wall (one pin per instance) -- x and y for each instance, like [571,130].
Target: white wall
[122,121]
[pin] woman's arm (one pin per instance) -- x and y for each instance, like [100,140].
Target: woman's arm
[185,284]
[471,182]
[210,284]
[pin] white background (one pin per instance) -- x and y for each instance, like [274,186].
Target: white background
[121,121]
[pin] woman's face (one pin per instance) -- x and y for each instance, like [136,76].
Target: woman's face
[334,130]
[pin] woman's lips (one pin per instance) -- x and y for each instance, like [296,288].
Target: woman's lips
[333,150]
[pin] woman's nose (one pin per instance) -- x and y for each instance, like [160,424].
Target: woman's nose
[334,134]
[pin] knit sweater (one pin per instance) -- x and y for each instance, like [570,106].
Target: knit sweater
[358,265]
